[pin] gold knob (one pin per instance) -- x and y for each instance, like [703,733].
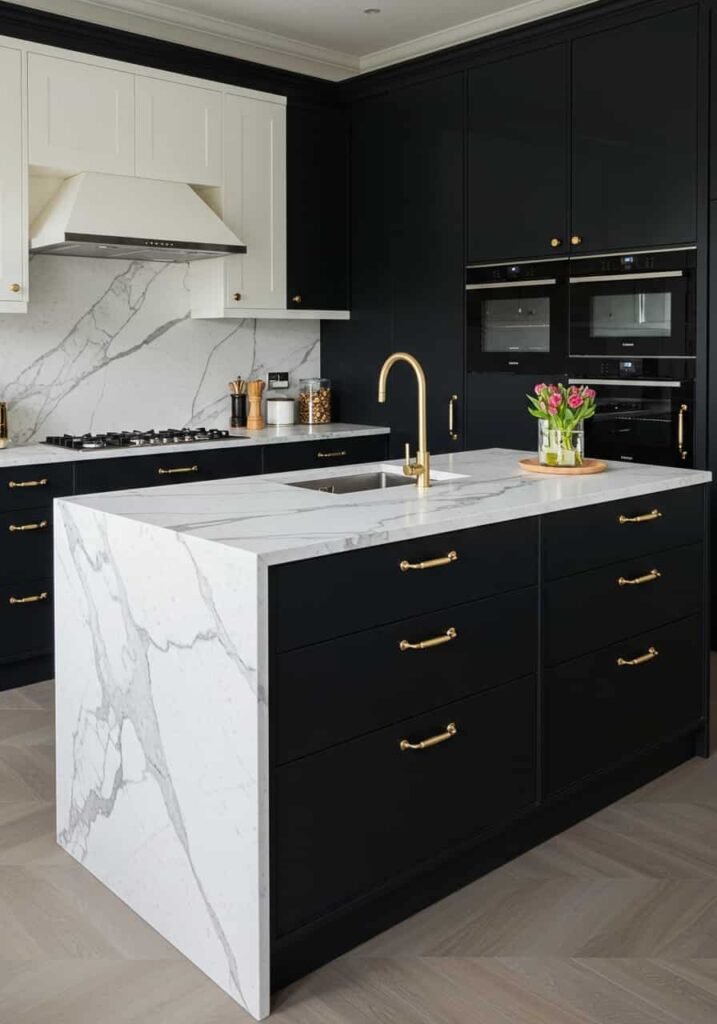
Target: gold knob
[555,243]
[15,288]
[237,296]
[576,240]
[297,299]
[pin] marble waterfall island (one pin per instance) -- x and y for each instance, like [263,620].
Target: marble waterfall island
[164,676]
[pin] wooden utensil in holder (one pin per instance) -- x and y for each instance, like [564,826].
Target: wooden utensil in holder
[255,419]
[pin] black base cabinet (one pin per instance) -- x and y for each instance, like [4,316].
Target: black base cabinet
[429,725]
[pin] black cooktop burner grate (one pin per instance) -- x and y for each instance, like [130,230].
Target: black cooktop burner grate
[139,438]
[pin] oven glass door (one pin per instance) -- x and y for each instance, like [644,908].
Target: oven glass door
[629,316]
[517,327]
[642,423]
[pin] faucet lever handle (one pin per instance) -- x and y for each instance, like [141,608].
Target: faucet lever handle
[408,454]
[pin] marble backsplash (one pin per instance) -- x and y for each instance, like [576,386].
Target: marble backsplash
[109,345]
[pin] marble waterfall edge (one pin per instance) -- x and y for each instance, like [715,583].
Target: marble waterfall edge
[162,789]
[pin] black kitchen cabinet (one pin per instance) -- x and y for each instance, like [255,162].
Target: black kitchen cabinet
[317,207]
[634,146]
[167,468]
[518,156]
[281,458]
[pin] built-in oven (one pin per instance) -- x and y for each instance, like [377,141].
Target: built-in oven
[644,410]
[633,305]
[517,317]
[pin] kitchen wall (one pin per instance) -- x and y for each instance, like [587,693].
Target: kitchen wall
[109,345]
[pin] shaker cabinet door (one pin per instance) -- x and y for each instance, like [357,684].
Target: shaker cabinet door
[179,132]
[635,134]
[518,156]
[81,116]
[13,251]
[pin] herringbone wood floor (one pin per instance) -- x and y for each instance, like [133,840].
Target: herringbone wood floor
[613,922]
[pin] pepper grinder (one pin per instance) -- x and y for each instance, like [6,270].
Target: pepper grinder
[254,390]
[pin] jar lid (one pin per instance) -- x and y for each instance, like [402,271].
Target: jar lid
[279,398]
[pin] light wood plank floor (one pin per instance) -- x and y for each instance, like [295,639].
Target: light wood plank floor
[612,922]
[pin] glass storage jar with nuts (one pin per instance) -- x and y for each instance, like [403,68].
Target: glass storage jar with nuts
[315,400]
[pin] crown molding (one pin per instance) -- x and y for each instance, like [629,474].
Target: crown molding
[488,24]
[159,20]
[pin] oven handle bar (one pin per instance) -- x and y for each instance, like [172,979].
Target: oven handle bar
[592,279]
[490,285]
[626,383]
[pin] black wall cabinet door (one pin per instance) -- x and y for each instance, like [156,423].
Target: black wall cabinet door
[317,196]
[518,156]
[635,134]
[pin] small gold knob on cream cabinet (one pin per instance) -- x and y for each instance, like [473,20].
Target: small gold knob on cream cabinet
[555,243]
[576,240]
[297,299]
[237,296]
[15,288]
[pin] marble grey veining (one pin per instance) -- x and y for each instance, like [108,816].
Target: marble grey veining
[109,345]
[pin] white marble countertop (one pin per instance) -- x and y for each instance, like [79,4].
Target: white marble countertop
[263,516]
[35,454]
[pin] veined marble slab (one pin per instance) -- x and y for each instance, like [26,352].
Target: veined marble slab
[33,454]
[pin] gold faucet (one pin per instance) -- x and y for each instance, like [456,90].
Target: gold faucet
[421,468]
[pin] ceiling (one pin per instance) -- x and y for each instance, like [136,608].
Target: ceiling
[331,38]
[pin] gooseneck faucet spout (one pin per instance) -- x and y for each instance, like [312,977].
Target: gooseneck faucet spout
[421,468]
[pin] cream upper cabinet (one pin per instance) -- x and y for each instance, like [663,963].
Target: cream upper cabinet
[179,132]
[13,186]
[254,206]
[81,116]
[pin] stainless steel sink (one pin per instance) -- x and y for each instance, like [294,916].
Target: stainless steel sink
[357,482]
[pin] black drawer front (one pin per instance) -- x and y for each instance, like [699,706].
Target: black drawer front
[26,544]
[328,597]
[280,458]
[588,611]
[26,620]
[34,486]
[586,538]
[360,814]
[330,692]
[598,712]
[172,467]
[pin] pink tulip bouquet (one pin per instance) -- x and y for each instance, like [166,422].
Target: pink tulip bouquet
[562,412]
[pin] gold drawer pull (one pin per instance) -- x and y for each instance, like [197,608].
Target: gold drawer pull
[642,660]
[42,525]
[436,641]
[33,599]
[29,483]
[179,469]
[647,518]
[650,577]
[432,741]
[433,563]
[330,455]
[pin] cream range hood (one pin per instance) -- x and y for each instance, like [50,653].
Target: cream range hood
[111,216]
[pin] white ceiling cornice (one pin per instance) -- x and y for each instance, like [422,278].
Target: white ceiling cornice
[162,21]
[488,24]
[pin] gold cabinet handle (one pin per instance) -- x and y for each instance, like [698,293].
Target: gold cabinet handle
[15,288]
[32,599]
[432,563]
[681,431]
[451,414]
[26,527]
[28,483]
[576,239]
[642,660]
[179,469]
[432,741]
[555,242]
[650,577]
[436,641]
[298,299]
[331,455]
[647,518]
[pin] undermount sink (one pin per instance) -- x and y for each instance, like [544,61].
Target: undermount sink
[357,482]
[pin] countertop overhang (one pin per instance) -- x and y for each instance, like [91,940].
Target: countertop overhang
[262,516]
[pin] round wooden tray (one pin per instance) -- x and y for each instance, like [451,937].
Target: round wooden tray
[588,467]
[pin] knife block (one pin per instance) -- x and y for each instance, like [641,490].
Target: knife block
[255,419]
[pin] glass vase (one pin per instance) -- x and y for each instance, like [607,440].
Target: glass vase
[560,448]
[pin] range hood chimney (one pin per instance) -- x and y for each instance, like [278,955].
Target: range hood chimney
[112,216]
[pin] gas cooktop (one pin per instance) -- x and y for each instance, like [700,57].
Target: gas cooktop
[140,438]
